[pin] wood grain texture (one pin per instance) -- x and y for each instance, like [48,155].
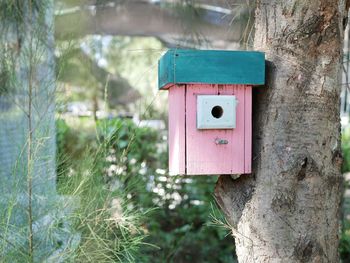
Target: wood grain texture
[291,211]
[211,67]
[203,155]
[177,138]
[248,129]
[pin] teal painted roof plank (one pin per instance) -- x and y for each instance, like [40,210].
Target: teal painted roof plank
[179,66]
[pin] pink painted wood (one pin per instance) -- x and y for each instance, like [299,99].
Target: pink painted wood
[248,130]
[193,151]
[203,155]
[177,135]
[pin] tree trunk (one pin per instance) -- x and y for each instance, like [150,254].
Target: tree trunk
[287,210]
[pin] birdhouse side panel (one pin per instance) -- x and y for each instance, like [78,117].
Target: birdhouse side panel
[176,125]
[248,130]
[204,153]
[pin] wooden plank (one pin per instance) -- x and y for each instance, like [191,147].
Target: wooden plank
[211,67]
[248,130]
[238,135]
[176,139]
[203,155]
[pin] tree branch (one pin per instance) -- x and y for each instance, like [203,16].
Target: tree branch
[144,19]
[122,93]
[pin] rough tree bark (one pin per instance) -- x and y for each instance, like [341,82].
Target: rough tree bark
[287,210]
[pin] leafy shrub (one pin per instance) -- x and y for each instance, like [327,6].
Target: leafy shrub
[344,246]
[346,150]
[136,164]
[110,228]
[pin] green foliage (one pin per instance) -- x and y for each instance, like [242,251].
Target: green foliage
[62,130]
[180,228]
[135,59]
[109,225]
[346,150]
[344,246]
[136,165]
[6,73]
[72,144]
[15,13]
[11,12]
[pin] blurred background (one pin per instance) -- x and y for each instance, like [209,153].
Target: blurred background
[110,51]
[108,156]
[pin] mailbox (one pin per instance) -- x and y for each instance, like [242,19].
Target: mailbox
[210,109]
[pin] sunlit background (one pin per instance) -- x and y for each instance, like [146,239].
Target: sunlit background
[110,137]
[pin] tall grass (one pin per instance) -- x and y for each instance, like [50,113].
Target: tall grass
[92,222]
[110,227]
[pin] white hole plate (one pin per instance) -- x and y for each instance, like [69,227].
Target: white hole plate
[205,104]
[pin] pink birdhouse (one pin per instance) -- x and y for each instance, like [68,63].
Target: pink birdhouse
[210,109]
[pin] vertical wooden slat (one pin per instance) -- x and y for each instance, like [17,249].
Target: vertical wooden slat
[177,145]
[248,130]
[204,156]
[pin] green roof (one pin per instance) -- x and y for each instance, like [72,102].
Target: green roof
[180,66]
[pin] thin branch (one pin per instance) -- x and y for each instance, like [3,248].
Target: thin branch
[30,141]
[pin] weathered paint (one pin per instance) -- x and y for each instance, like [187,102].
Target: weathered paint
[189,73]
[248,129]
[176,125]
[193,151]
[211,67]
[203,155]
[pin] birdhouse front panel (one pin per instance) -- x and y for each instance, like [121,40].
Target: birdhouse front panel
[210,109]
[220,150]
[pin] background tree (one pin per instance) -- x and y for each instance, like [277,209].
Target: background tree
[27,134]
[88,80]
[194,23]
[287,210]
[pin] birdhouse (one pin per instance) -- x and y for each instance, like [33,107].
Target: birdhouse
[210,109]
